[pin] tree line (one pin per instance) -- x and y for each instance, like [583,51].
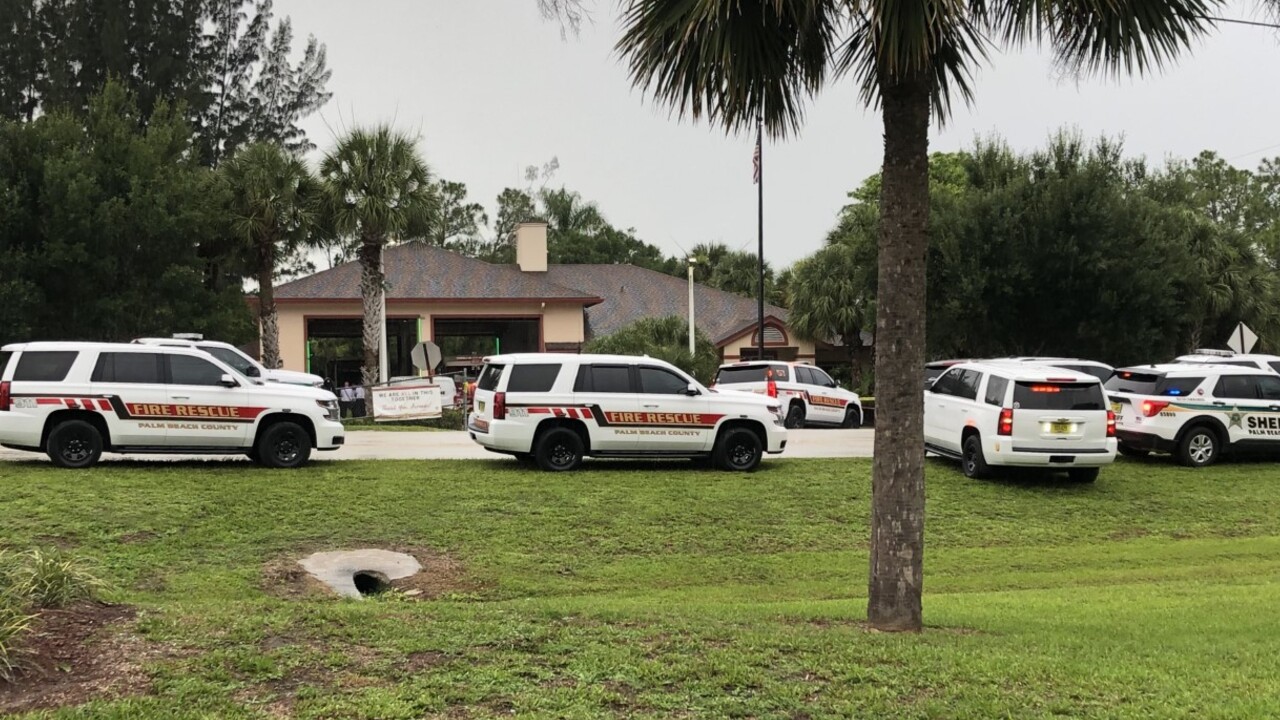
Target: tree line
[1070,250]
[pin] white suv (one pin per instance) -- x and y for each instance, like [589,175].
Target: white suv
[240,362]
[76,400]
[555,409]
[1018,414]
[1100,370]
[1270,363]
[808,395]
[1196,412]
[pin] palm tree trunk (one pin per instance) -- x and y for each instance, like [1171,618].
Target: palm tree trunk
[370,289]
[267,316]
[897,477]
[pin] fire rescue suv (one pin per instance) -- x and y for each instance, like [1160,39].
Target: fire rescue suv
[808,395]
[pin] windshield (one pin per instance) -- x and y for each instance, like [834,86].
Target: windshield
[1138,383]
[734,374]
[234,360]
[1058,396]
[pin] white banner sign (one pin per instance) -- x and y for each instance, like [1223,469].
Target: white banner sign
[406,402]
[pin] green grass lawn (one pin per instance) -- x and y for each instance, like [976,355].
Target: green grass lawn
[635,590]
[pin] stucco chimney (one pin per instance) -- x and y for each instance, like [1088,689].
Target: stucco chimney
[531,246]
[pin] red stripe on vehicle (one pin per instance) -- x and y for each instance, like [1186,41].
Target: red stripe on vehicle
[586,413]
[539,411]
[573,413]
[104,405]
[48,401]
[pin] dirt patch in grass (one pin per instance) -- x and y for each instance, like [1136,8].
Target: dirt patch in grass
[440,575]
[77,654]
[137,537]
[283,577]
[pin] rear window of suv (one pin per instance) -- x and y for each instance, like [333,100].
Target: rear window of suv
[1058,396]
[1137,383]
[533,378]
[734,374]
[44,365]
[489,377]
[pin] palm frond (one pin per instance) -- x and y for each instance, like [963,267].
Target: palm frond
[731,60]
[1111,37]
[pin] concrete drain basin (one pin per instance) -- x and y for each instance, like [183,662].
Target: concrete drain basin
[356,573]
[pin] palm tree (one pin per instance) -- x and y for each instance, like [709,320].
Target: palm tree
[377,190]
[273,210]
[735,60]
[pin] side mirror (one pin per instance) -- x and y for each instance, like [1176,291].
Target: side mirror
[253,371]
[228,381]
[692,390]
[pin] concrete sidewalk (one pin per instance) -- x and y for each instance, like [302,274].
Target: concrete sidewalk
[448,445]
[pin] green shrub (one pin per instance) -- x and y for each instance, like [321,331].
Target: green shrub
[13,623]
[51,579]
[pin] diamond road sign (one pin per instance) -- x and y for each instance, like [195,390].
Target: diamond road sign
[1242,339]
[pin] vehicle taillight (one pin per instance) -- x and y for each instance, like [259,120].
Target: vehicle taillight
[1151,407]
[4,395]
[1006,422]
[770,387]
[1111,424]
[500,406]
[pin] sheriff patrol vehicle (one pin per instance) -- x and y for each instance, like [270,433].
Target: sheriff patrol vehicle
[990,413]
[555,409]
[1270,363]
[75,401]
[1196,412]
[808,394]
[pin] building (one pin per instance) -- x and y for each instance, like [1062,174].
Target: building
[472,308]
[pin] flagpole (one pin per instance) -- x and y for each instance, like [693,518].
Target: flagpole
[760,224]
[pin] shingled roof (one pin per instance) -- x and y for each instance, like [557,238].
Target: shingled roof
[631,293]
[423,272]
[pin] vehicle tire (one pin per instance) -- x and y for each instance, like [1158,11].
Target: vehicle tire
[559,450]
[74,444]
[1130,451]
[525,458]
[852,419]
[972,461]
[738,450]
[795,416]
[1083,475]
[283,445]
[1199,447]
[252,454]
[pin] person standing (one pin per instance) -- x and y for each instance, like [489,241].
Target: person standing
[347,399]
[359,395]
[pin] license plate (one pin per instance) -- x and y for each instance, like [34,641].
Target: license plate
[1060,428]
[1115,408]
[481,405]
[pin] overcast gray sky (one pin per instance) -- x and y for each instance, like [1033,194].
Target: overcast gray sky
[491,88]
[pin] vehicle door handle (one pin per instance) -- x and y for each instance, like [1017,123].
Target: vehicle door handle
[1219,403]
[651,406]
[180,397]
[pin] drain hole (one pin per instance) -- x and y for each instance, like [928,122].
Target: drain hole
[371,582]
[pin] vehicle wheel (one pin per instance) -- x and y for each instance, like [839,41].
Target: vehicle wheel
[852,419]
[283,445]
[1130,451]
[738,450]
[973,462]
[1199,447]
[1083,475]
[252,454]
[795,416]
[74,444]
[559,450]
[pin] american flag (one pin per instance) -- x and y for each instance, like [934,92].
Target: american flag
[755,163]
